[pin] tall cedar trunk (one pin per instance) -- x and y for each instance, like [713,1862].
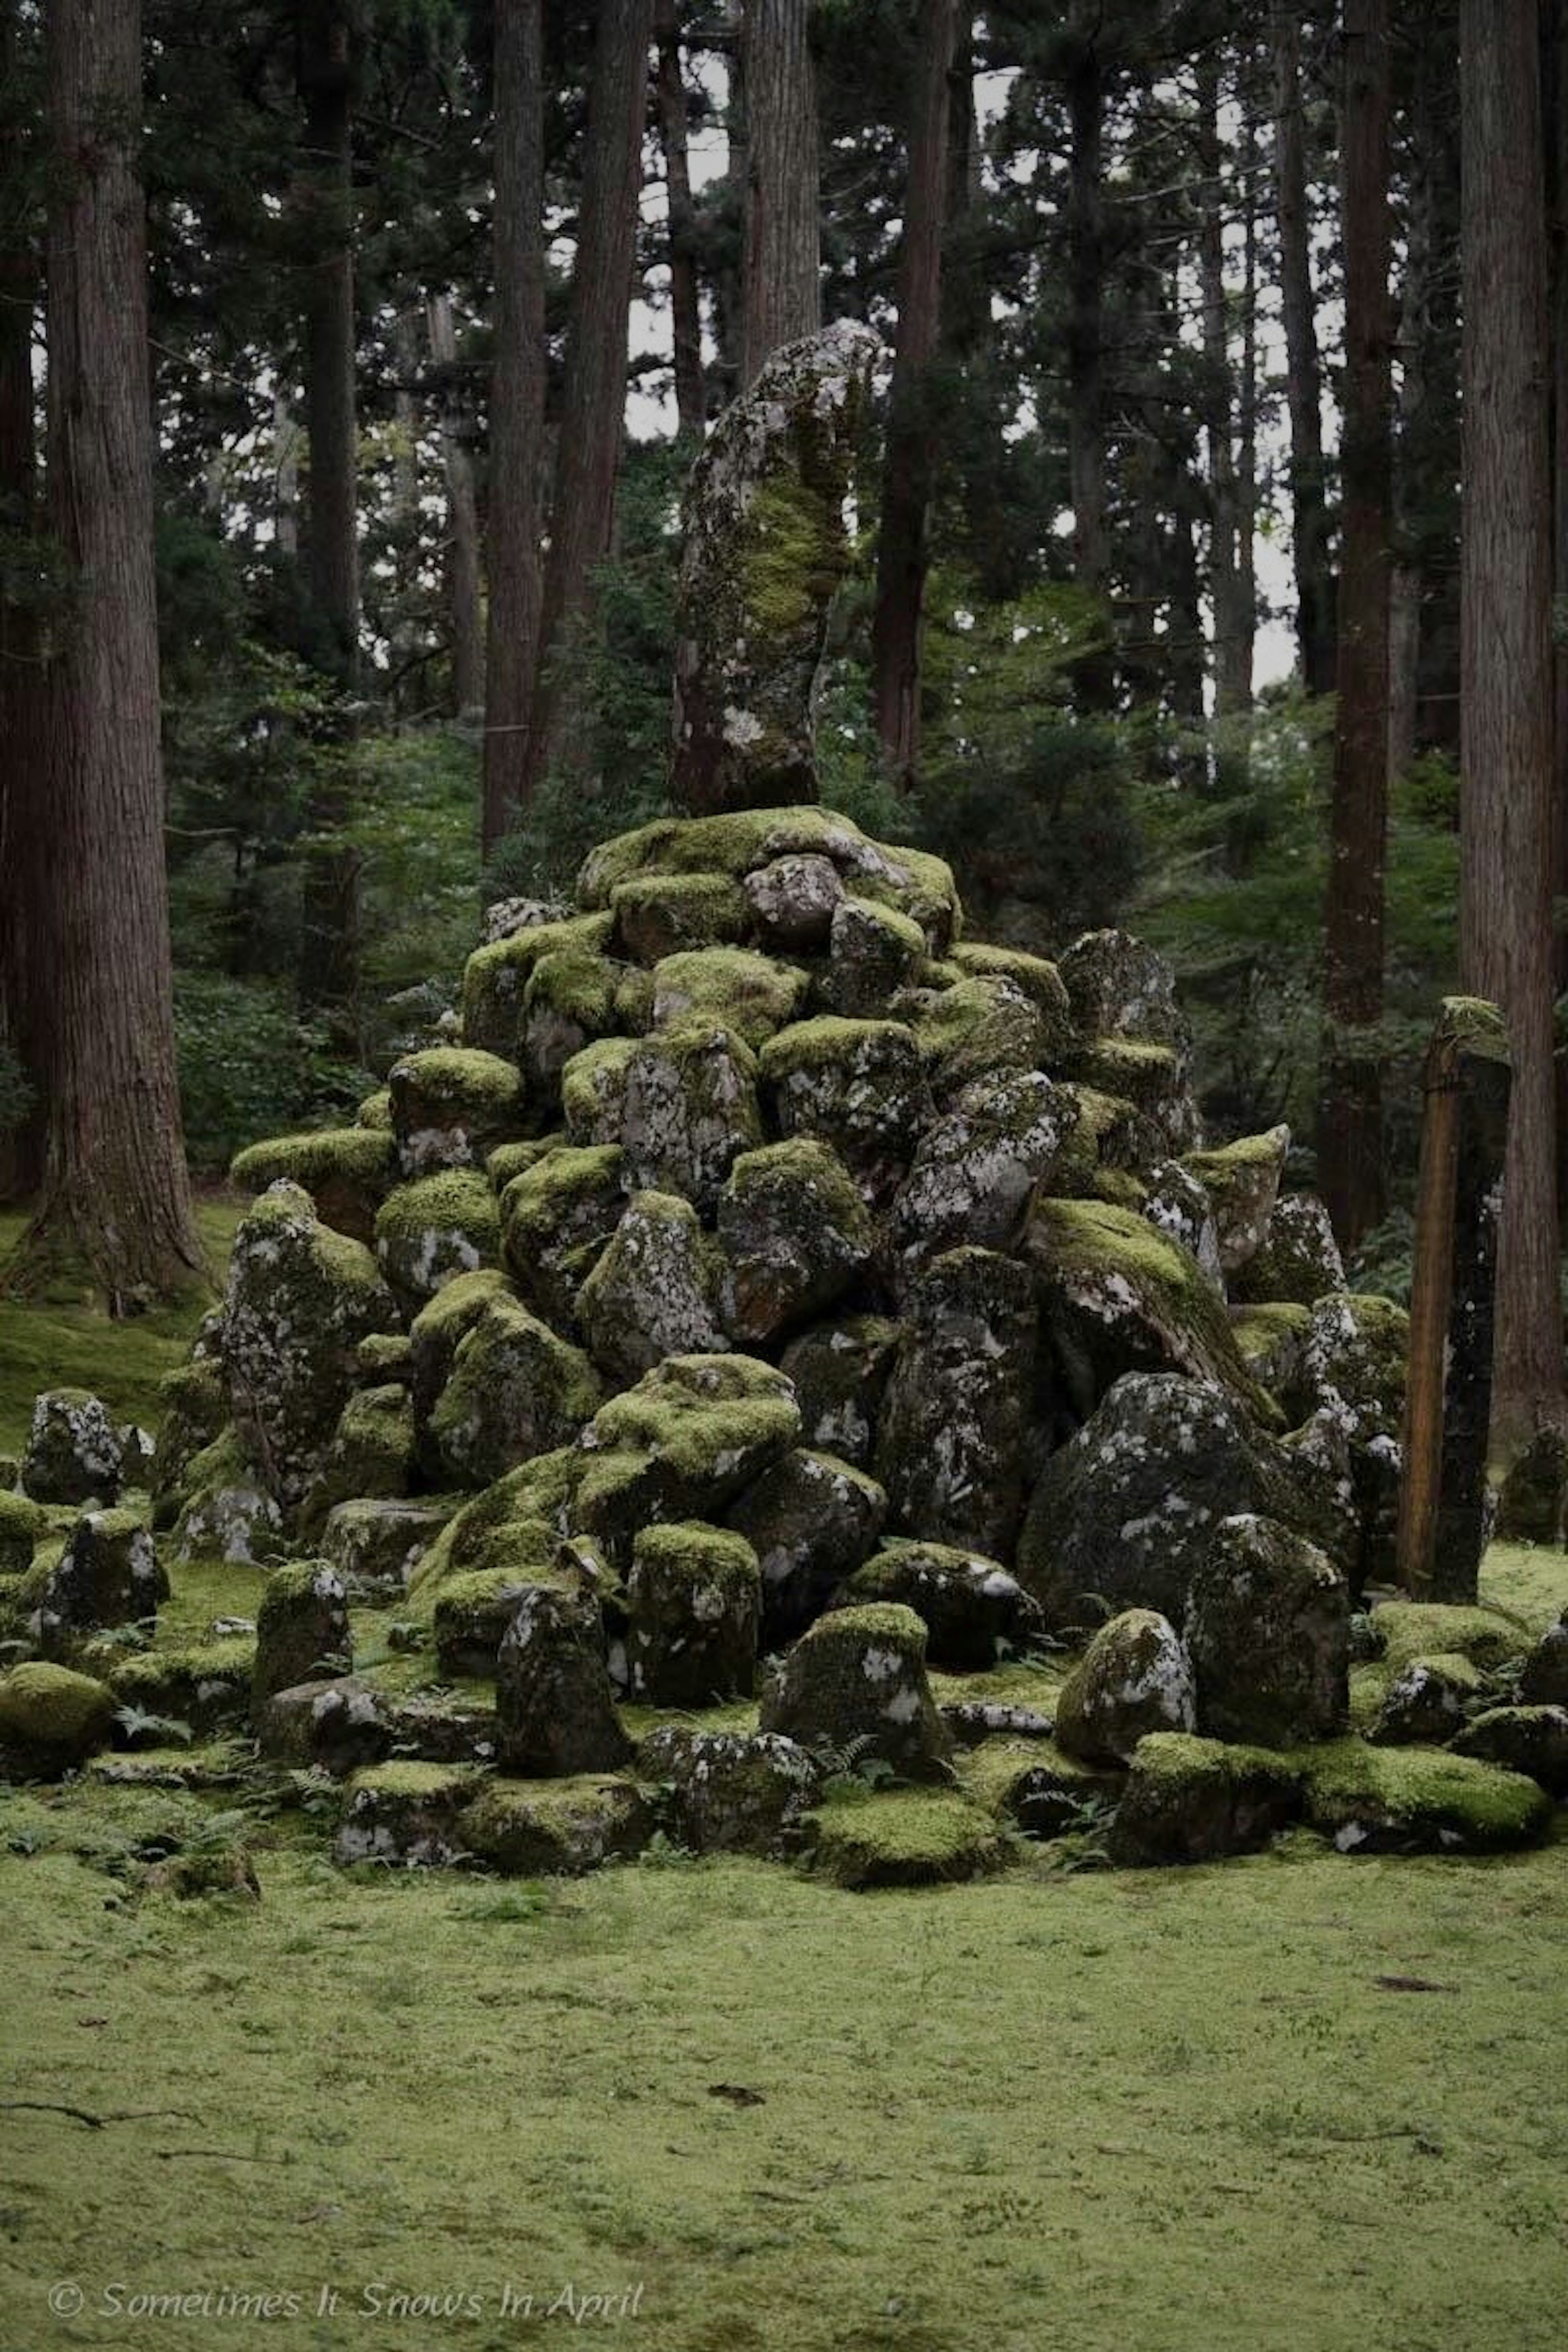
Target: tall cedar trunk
[1232,673]
[1555,55]
[1303,383]
[685,305]
[285,475]
[114,1175]
[593,398]
[1406,584]
[406,634]
[329,942]
[965,295]
[1086,341]
[22,834]
[1505,884]
[1246,631]
[783,297]
[515,502]
[904,553]
[461,552]
[1349,1112]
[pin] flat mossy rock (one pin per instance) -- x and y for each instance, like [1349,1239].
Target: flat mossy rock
[73,1452]
[689,1110]
[1529,1740]
[1425,1702]
[109,1574]
[1125,1511]
[1298,1260]
[1424,1629]
[23,1525]
[484,1533]
[206,1684]
[840,1371]
[977,1167]
[299,1299]
[1242,1181]
[1419,1800]
[654,1291]
[855,1685]
[346,1171]
[555,1712]
[811,1519]
[1189,1800]
[1118,1296]
[694,1608]
[659,915]
[496,977]
[904,1837]
[858,1085]
[752,995]
[793,1235]
[301,1628]
[337,1725]
[407,1814]
[428,1232]
[1268,1632]
[728,1792]
[556,1218]
[380,1540]
[974,1610]
[51,1718]
[515,1390]
[371,1455]
[953,1439]
[1135,1677]
[226,1513]
[472,1611]
[546,1828]
[683,1444]
[1038,1787]
[451,1104]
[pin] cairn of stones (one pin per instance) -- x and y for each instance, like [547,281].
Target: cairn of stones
[775,1372]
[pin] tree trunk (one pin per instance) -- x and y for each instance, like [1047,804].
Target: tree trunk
[1086,343]
[114,1177]
[783,295]
[1303,383]
[592,397]
[21,678]
[904,553]
[515,505]
[462,548]
[285,475]
[1407,582]
[1555,56]
[685,305]
[408,636]
[1505,883]
[1350,1115]
[329,944]
[1232,668]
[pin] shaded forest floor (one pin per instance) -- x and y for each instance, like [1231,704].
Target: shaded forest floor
[1291,2104]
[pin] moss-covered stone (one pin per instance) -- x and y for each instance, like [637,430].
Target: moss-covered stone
[1532,1741]
[654,1289]
[195,1408]
[109,1574]
[659,915]
[727,1791]
[371,1455]
[1034,977]
[1180,1208]
[1531,1498]
[690,1437]
[1424,1702]
[1242,1181]
[1268,1632]
[381,1541]
[472,1612]
[385,1359]
[375,1111]
[1111,1153]
[874,953]
[451,1106]
[1120,988]
[1135,1677]
[793,900]
[811,1520]
[974,1610]
[1190,1800]
[434,1338]
[510,1160]
[572,1000]
[542,1829]
[792,1232]
[689,1110]
[484,1533]
[299,1299]
[977,1167]
[904,1837]
[1419,1800]
[594,1091]
[694,1601]
[1118,1296]
[226,1513]
[301,1628]
[405,1813]
[1038,1786]
[22,1525]
[1543,1678]
[555,1711]
[434,1229]
[206,1684]
[1270,1342]
[50,1719]
[496,977]
[855,1685]
[976,1030]
[839,1370]
[751,994]
[346,1171]
[1299,1258]
[337,1726]
[1152,1077]
[858,1085]
[73,1452]
[1413,1629]
[556,1218]
[515,1390]
[956,1433]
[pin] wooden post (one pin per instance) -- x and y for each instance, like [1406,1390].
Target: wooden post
[1448,1386]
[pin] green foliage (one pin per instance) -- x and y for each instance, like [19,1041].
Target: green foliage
[249,1065]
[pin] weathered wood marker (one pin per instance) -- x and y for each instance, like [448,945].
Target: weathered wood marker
[1448,1389]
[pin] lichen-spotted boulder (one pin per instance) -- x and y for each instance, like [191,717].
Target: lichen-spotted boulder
[1544,1678]
[811,1520]
[874,952]
[977,1167]
[299,1299]
[1135,1677]
[1532,1741]
[73,1452]
[555,1711]
[50,1719]
[855,1686]
[1374,1800]
[302,1628]
[953,1434]
[682,1444]
[515,1390]
[347,1171]
[533,1829]
[371,1455]
[1242,1181]
[654,1292]
[858,1085]
[556,1217]
[694,1604]
[451,1106]
[731,1791]
[1298,1259]
[1267,1631]
[109,1574]
[840,1371]
[226,1513]
[793,1235]
[689,1110]
[793,901]
[431,1231]
[974,1610]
